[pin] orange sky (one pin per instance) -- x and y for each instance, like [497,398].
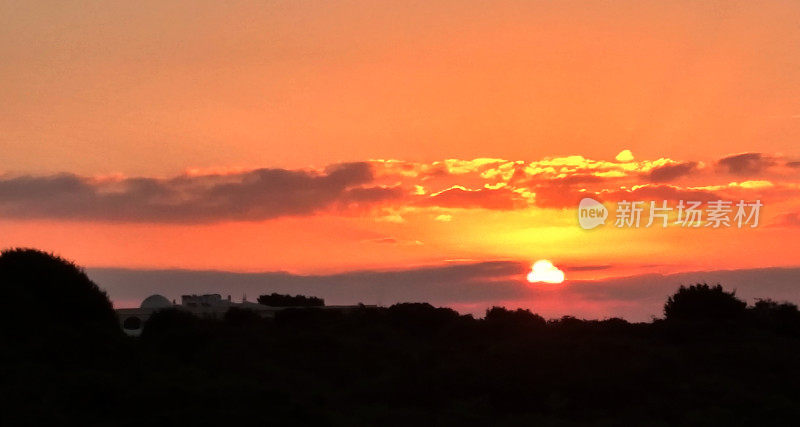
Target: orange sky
[154,87]
[156,115]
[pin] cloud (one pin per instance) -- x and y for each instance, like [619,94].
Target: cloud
[581,178]
[247,196]
[561,197]
[658,192]
[624,156]
[385,189]
[484,198]
[671,172]
[586,267]
[393,241]
[561,182]
[436,169]
[389,240]
[788,220]
[746,163]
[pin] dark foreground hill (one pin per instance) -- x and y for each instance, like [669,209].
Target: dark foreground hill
[711,361]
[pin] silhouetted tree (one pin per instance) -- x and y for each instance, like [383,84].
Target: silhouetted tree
[279,300]
[704,302]
[45,294]
[782,317]
[519,318]
[421,318]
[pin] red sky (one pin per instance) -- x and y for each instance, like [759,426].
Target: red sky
[322,137]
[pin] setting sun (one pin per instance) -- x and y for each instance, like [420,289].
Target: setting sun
[544,271]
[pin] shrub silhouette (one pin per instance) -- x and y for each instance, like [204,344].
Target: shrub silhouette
[704,302]
[519,319]
[279,300]
[421,318]
[44,294]
[782,317]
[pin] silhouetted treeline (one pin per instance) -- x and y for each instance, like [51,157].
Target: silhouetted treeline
[279,300]
[712,360]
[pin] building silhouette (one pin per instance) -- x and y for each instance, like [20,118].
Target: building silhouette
[205,305]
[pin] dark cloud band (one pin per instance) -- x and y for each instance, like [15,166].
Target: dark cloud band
[249,196]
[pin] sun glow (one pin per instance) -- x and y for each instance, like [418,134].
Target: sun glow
[544,271]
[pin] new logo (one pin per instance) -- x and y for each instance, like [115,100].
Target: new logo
[591,213]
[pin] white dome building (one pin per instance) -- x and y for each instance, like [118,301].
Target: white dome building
[155,302]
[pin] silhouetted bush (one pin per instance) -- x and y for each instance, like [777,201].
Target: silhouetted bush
[279,300]
[782,317]
[421,318]
[703,302]
[43,294]
[519,319]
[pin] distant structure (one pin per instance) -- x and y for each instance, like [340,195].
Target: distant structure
[210,305]
[155,302]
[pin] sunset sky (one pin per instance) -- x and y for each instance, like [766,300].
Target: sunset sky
[435,147]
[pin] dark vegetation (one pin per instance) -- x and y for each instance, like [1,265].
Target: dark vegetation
[279,300]
[712,360]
